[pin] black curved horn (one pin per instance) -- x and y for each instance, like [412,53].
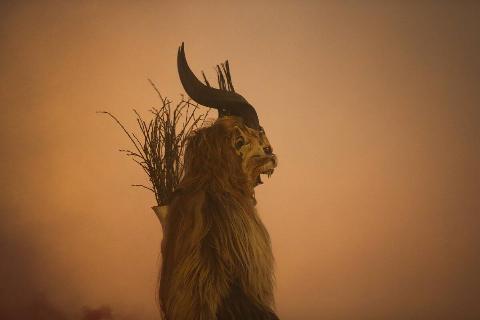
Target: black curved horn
[228,103]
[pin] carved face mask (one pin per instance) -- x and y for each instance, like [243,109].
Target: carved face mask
[255,151]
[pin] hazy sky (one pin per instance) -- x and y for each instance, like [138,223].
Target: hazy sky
[373,109]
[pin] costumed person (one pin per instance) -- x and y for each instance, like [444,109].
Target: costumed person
[217,260]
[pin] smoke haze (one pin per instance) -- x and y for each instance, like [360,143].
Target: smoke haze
[372,108]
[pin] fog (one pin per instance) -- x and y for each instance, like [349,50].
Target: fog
[372,108]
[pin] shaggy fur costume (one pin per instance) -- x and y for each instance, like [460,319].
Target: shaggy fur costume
[217,257]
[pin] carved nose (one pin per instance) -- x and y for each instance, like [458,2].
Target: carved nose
[268,150]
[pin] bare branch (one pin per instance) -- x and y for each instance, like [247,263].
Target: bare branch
[159,149]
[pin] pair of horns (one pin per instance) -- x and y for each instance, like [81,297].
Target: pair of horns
[225,99]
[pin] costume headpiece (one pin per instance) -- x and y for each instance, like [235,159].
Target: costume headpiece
[224,99]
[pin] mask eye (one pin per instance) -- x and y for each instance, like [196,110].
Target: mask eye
[239,142]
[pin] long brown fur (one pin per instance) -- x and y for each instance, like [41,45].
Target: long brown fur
[217,257]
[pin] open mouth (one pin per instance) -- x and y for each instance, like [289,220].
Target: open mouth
[267,166]
[268,173]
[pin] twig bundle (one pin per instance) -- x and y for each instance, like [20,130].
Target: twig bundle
[160,151]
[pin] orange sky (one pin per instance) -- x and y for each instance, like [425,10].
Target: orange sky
[372,108]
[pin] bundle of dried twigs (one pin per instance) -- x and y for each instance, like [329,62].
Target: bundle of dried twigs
[161,148]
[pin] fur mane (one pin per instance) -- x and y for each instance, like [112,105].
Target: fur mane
[211,162]
[217,257]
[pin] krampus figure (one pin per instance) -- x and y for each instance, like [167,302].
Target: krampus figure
[217,257]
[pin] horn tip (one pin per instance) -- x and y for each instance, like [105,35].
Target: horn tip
[181,54]
[181,48]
